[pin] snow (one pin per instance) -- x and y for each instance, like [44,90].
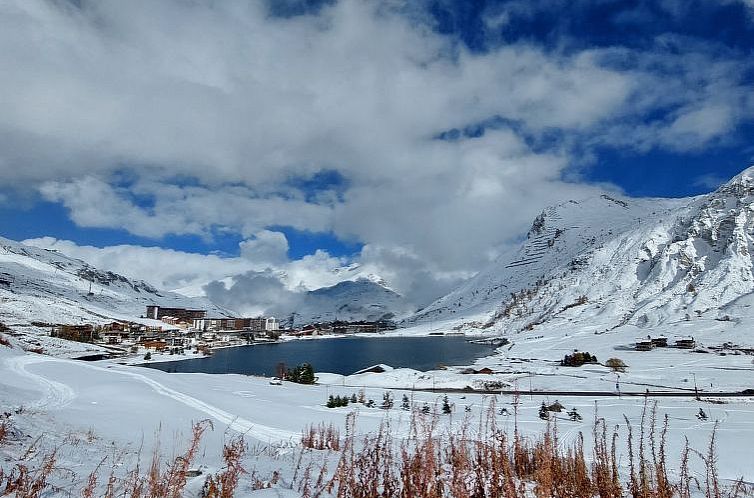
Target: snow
[119,406]
[42,286]
[593,275]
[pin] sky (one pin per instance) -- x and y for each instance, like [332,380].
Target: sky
[251,143]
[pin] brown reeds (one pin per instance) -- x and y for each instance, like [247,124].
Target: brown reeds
[224,483]
[23,482]
[430,464]
[321,437]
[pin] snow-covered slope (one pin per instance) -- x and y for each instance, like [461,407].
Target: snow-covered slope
[360,299]
[38,285]
[604,262]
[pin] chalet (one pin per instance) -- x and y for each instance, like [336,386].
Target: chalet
[659,342]
[156,345]
[80,333]
[114,336]
[643,344]
[379,368]
[685,343]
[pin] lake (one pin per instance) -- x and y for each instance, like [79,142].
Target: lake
[341,355]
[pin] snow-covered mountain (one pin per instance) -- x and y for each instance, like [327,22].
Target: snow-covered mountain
[606,261]
[351,300]
[39,285]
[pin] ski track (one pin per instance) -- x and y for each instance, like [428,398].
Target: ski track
[55,394]
[58,395]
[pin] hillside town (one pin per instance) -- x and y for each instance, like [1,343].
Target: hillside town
[181,331]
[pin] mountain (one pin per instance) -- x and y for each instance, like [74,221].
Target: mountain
[351,300]
[606,262]
[40,285]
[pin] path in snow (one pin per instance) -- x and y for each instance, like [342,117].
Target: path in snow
[58,395]
[55,394]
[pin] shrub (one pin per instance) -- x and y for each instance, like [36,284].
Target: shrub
[302,374]
[616,365]
[577,359]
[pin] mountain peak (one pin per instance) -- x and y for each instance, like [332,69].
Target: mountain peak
[742,183]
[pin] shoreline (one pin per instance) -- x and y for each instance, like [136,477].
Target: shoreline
[137,359]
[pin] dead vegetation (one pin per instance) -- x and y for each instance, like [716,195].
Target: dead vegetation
[161,480]
[430,464]
[480,459]
[321,437]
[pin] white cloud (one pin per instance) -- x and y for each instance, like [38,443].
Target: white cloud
[211,108]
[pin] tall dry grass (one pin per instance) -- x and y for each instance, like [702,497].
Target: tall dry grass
[321,437]
[489,462]
[162,479]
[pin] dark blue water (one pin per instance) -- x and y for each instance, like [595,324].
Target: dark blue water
[343,356]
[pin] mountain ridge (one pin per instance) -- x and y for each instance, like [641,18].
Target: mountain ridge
[609,260]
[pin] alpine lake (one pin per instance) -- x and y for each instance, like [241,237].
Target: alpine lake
[344,355]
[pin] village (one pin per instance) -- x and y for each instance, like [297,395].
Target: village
[183,331]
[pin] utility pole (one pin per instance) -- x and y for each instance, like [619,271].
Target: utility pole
[696,389]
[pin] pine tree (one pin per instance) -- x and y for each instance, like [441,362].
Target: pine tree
[446,408]
[544,414]
[306,375]
[405,403]
[370,403]
[331,402]
[425,409]
[148,356]
[574,415]
[387,401]
[353,398]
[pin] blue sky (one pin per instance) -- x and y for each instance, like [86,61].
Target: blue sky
[392,135]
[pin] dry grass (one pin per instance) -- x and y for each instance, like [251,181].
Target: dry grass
[434,464]
[224,483]
[163,481]
[23,482]
[321,437]
[477,460]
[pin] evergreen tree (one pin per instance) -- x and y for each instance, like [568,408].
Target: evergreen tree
[446,408]
[306,375]
[331,402]
[387,401]
[574,415]
[405,403]
[148,356]
[544,414]
[425,409]
[353,398]
[369,403]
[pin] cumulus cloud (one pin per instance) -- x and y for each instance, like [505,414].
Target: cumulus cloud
[255,293]
[214,109]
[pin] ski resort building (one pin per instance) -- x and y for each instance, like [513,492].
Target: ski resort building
[157,312]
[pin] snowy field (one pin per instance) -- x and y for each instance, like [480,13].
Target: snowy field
[103,407]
